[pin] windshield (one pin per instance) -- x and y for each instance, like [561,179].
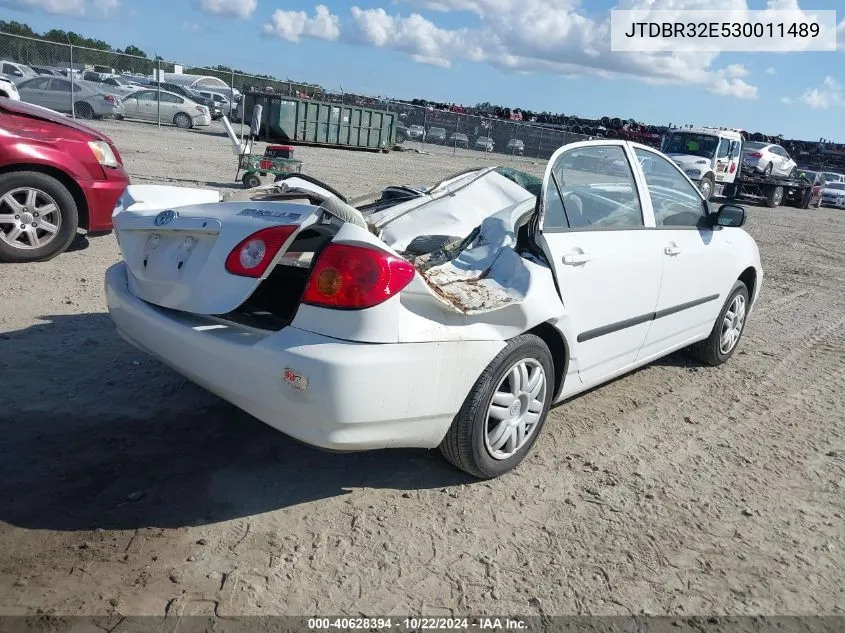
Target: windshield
[754,146]
[836,185]
[437,130]
[831,176]
[811,175]
[703,145]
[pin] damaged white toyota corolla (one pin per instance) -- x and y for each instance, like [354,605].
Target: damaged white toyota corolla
[452,316]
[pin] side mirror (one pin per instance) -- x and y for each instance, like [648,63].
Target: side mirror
[730,215]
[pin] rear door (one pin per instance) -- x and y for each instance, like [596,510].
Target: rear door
[607,266]
[696,259]
[59,94]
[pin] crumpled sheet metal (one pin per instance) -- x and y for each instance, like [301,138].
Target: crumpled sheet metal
[488,274]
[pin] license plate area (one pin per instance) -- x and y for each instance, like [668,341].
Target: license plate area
[171,256]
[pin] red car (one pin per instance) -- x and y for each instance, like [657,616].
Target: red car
[56,175]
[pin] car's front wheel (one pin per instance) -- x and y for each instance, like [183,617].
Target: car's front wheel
[504,411]
[724,337]
[38,217]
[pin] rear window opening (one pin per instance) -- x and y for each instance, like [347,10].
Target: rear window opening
[275,301]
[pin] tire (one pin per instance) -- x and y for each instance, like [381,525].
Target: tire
[774,197]
[705,186]
[14,195]
[768,170]
[83,110]
[251,180]
[710,351]
[793,173]
[467,445]
[182,120]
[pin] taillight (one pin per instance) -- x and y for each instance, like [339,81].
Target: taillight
[253,255]
[355,277]
[755,155]
[109,98]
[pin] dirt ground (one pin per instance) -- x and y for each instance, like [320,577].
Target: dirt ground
[677,489]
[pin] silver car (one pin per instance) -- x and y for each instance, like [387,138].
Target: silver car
[155,105]
[768,159]
[16,72]
[833,195]
[830,177]
[87,99]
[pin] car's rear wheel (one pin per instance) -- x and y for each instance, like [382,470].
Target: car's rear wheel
[183,121]
[793,173]
[724,337]
[83,110]
[768,170]
[504,412]
[38,217]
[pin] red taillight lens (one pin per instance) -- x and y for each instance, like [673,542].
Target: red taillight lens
[251,257]
[109,98]
[355,277]
[755,155]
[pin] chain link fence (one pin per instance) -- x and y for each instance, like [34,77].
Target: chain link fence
[80,81]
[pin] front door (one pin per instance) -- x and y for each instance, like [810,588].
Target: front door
[594,232]
[696,258]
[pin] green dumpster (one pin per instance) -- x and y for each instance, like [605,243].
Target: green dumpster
[305,121]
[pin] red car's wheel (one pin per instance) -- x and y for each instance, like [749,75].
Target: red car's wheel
[38,217]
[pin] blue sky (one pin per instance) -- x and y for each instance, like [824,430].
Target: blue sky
[539,54]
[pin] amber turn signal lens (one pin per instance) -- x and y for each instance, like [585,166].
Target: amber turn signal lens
[329,282]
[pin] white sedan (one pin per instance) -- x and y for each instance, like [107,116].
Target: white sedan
[167,107]
[449,317]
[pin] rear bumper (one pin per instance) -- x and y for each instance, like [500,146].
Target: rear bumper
[838,203]
[202,120]
[357,396]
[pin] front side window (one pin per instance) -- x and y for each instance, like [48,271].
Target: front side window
[675,200]
[592,188]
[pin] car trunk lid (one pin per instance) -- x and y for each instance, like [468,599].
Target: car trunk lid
[175,244]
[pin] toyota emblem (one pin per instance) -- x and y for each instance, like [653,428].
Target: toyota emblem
[165,217]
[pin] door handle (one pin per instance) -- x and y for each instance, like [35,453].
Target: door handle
[672,250]
[577,258]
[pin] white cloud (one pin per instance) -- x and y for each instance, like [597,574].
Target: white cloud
[293,25]
[770,71]
[107,6]
[786,100]
[829,95]
[242,9]
[552,36]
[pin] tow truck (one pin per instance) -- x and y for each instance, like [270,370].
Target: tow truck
[711,157]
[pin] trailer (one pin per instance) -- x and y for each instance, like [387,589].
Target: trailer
[773,191]
[712,159]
